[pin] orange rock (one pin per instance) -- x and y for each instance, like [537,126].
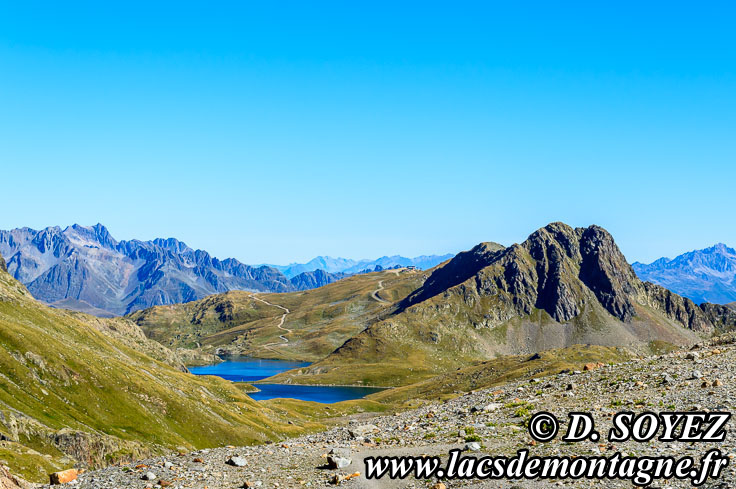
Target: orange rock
[198,460]
[64,476]
[439,485]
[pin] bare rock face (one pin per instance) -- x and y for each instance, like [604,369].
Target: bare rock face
[560,270]
[463,266]
[63,476]
[9,481]
[605,271]
[3,266]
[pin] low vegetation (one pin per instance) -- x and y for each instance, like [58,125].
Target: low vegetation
[73,392]
[320,320]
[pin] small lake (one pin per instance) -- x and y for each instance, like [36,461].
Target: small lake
[246,369]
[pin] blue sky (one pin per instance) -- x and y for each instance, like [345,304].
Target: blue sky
[276,131]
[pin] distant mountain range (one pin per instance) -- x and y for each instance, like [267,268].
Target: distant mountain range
[707,275]
[84,268]
[348,266]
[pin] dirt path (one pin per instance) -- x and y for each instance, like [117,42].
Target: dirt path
[280,325]
[374,294]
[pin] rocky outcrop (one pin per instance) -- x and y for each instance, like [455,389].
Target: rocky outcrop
[704,317]
[559,270]
[9,481]
[463,266]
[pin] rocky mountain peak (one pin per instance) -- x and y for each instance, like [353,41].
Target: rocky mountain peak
[172,244]
[96,235]
[557,269]
[459,269]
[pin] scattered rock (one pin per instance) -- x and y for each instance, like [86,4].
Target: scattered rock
[148,476]
[236,461]
[363,430]
[472,446]
[335,461]
[64,476]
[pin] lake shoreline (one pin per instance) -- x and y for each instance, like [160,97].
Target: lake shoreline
[256,372]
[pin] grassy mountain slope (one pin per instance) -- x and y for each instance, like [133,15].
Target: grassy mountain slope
[501,370]
[319,320]
[78,390]
[559,288]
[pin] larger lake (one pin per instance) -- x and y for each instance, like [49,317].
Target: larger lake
[246,369]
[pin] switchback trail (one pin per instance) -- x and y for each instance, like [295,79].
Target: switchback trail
[280,325]
[374,294]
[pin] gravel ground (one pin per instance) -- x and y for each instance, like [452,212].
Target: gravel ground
[702,380]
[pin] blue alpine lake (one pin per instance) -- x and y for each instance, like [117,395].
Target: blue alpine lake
[246,369]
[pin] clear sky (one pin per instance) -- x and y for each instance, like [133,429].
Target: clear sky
[276,131]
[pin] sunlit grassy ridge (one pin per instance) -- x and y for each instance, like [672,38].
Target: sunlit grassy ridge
[503,369]
[320,319]
[74,392]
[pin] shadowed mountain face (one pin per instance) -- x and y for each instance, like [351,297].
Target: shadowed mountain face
[559,270]
[560,287]
[84,268]
[315,279]
[707,275]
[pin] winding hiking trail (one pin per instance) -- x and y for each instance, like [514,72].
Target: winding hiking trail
[280,325]
[374,294]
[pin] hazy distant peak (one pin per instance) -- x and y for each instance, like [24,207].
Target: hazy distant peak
[707,275]
[350,266]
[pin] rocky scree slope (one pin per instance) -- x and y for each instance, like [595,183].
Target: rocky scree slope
[86,269]
[484,422]
[560,287]
[77,390]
